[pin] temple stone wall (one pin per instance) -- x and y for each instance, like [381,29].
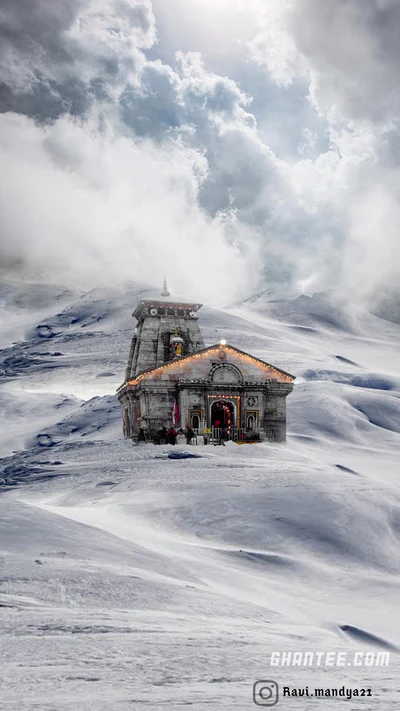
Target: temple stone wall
[128,372]
[129,405]
[191,400]
[274,415]
[156,407]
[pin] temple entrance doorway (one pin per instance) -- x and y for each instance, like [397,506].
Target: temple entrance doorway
[222,414]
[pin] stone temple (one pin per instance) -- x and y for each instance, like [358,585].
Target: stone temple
[174,380]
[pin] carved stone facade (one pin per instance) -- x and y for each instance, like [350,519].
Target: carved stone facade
[173,380]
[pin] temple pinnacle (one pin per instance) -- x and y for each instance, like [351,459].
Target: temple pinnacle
[165,291]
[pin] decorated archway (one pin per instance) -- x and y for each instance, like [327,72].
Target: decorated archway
[222,414]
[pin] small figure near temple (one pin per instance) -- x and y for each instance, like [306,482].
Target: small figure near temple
[171,436]
[162,435]
[189,435]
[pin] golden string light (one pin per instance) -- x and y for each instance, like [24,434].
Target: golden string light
[214,349]
[222,397]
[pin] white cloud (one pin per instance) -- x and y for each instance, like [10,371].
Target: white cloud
[348,53]
[166,164]
[106,39]
[347,50]
[91,208]
[273,45]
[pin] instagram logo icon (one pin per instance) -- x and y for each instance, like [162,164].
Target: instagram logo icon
[266,693]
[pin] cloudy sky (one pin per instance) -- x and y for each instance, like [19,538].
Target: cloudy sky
[231,144]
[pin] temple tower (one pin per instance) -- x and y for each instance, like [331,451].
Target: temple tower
[165,329]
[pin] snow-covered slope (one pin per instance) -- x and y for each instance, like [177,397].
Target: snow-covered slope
[133,580]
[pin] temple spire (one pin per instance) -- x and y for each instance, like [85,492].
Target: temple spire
[165,291]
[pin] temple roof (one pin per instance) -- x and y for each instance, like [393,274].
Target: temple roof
[203,351]
[164,304]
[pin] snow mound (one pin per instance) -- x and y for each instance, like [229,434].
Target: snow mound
[368,380]
[100,417]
